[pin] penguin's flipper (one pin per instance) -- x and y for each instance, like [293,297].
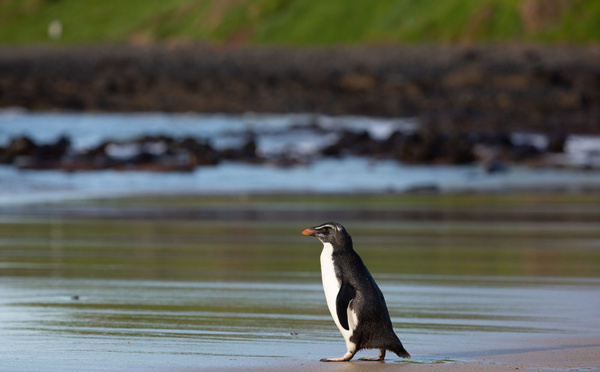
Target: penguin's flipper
[345,295]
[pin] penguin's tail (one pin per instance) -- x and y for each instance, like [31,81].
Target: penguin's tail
[401,352]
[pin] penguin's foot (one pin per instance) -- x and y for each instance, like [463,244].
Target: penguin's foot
[345,358]
[380,358]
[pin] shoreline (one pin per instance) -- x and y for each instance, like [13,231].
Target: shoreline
[569,353]
[487,294]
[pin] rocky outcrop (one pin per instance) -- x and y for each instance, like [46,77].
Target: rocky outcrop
[149,153]
[463,89]
[163,153]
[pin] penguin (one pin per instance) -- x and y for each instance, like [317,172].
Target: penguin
[355,301]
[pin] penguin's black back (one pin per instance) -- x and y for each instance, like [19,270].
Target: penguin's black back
[374,330]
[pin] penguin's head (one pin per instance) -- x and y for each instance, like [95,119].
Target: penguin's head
[329,232]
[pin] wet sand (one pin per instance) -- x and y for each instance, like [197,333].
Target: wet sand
[554,354]
[128,293]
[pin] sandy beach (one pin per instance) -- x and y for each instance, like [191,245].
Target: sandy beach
[509,285]
[554,354]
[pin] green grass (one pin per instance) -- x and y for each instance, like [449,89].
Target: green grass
[292,22]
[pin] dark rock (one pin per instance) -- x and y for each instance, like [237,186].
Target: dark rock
[458,150]
[391,146]
[422,148]
[430,145]
[500,139]
[147,153]
[556,141]
[53,151]
[356,143]
[524,152]
[98,151]
[489,87]
[247,152]
[20,146]
[199,153]
[143,157]
[248,149]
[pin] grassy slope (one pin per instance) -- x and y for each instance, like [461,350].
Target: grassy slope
[290,21]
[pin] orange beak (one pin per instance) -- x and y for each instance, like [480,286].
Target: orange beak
[310,231]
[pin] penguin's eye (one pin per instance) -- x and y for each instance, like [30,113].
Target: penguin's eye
[323,230]
[328,228]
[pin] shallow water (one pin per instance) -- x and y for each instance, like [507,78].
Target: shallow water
[138,324]
[294,136]
[83,293]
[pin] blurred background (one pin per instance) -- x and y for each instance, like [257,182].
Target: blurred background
[159,159]
[473,88]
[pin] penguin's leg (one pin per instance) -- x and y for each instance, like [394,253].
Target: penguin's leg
[380,358]
[349,354]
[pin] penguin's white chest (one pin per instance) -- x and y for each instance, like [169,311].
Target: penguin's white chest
[331,286]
